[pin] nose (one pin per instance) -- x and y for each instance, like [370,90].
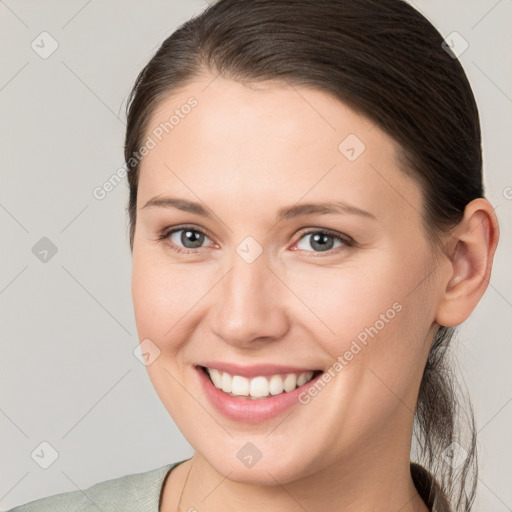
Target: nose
[251,305]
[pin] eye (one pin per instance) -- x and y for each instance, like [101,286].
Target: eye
[323,240]
[184,238]
[187,239]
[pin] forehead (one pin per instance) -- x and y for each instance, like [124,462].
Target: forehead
[219,137]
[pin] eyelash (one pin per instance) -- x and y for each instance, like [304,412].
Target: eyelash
[345,239]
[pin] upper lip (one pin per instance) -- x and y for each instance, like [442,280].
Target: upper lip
[255,370]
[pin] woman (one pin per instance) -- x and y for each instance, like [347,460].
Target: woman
[307,226]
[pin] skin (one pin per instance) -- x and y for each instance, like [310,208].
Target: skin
[244,152]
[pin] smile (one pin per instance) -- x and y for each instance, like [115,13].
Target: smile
[260,386]
[261,393]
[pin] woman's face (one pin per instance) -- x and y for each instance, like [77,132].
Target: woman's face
[254,283]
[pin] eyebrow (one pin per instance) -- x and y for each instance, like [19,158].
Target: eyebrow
[283,214]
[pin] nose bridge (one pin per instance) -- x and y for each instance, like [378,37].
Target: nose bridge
[248,307]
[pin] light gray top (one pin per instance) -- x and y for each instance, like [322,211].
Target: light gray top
[141,492]
[138,492]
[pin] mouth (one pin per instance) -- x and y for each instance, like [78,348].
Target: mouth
[259,387]
[260,394]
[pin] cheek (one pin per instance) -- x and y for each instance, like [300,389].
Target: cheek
[373,320]
[373,312]
[165,297]
[346,300]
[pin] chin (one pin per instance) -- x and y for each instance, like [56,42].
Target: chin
[267,466]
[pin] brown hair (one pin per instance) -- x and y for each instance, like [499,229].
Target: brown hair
[387,62]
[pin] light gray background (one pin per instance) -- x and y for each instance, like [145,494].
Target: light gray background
[68,375]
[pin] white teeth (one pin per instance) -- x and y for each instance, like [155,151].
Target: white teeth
[216,377]
[302,379]
[290,382]
[276,385]
[226,382]
[257,387]
[240,386]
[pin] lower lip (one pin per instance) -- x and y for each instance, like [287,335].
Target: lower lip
[244,409]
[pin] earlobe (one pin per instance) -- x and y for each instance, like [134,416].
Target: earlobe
[469,263]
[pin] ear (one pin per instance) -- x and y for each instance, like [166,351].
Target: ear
[469,262]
